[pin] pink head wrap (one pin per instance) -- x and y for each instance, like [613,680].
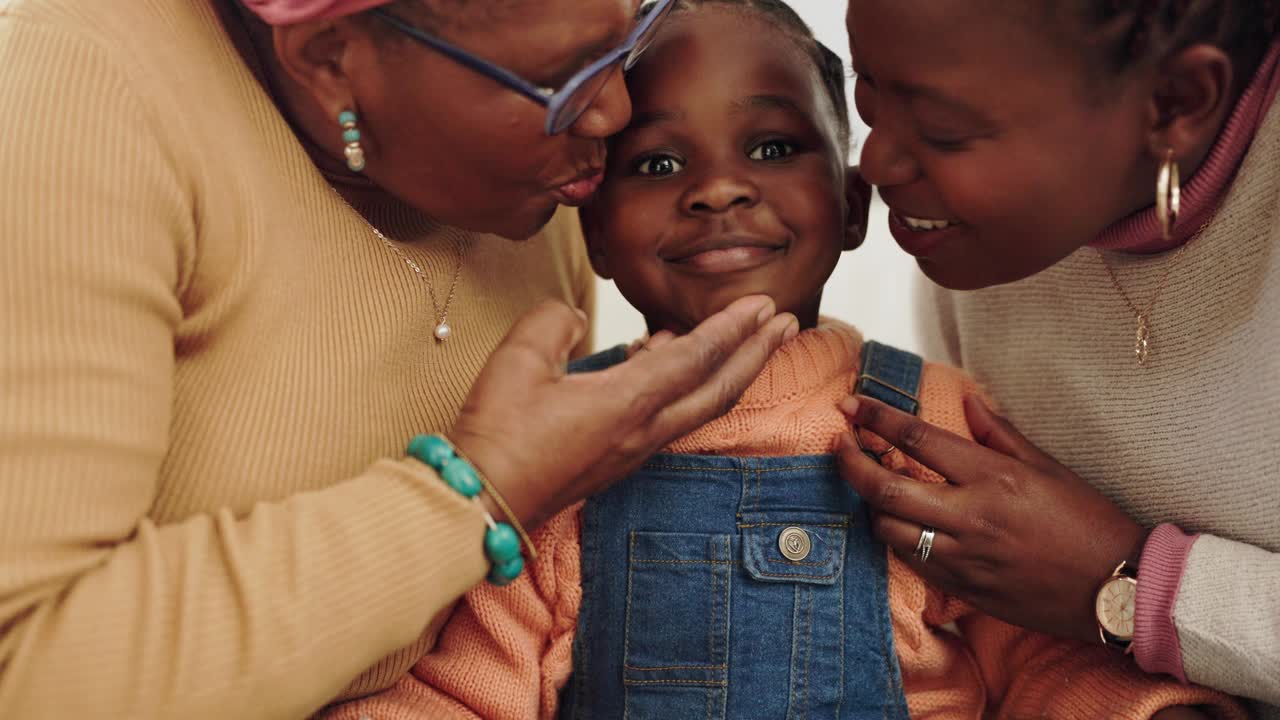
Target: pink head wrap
[287,12]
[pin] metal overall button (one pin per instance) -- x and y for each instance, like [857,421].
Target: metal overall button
[794,543]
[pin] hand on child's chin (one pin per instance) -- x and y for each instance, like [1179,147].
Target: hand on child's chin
[592,429]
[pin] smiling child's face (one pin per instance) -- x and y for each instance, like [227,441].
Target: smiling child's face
[730,179]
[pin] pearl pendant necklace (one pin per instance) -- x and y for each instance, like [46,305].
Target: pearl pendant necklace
[443,330]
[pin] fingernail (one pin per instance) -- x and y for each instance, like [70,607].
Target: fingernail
[844,443]
[579,333]
[849,406]
[583,314]
[766,312]
[793,329]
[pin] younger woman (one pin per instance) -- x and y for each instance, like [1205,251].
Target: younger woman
[1031,150]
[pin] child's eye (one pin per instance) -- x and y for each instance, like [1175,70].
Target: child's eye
[659,165]
[772,150]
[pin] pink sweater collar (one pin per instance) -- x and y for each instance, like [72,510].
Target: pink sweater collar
[1140,233]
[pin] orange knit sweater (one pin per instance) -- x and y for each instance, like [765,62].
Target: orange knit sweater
[506,652]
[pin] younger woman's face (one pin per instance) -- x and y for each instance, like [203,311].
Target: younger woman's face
[729,180]
[997,153]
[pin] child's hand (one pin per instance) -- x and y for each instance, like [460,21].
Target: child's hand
[1181,712]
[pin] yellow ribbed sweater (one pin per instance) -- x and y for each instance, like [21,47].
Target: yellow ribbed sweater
[209,367]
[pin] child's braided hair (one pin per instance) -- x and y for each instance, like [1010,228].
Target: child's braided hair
[1142,29]
[830,66]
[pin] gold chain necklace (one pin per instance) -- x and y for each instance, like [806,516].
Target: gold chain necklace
[1142,336]
[443,330]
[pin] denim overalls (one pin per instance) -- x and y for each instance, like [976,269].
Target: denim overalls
[737,587]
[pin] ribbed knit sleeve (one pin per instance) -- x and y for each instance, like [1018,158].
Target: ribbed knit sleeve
[1228,617]
[1155,637]
[103,612]
[1032,675]
[506,652]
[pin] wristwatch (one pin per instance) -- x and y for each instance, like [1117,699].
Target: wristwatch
[1114,607]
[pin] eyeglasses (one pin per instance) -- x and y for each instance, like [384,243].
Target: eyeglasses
[566,105]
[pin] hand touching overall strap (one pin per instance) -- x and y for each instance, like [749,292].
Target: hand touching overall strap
[891,376]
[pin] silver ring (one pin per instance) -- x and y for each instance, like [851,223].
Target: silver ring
[925,545]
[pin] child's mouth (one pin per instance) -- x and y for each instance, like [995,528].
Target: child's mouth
[727,254]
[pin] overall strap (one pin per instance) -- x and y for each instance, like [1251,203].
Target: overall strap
[600,361]
[891,376]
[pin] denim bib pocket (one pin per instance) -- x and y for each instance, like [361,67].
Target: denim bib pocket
[676,641]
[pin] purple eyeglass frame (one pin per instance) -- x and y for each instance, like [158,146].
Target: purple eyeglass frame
[555,101]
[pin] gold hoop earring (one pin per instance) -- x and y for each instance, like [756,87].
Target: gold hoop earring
[1168,194]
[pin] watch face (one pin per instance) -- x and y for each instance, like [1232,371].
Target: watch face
[1115,606]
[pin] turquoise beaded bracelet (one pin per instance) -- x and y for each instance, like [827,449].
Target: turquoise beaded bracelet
[501,542]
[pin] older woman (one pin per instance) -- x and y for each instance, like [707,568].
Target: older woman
[248,253]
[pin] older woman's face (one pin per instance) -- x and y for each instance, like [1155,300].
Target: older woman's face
[468,150]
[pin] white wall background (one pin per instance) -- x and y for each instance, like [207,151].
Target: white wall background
[871,288]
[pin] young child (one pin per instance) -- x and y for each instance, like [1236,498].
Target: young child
[736,577]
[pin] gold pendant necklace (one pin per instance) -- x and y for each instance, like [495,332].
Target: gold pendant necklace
[1142,341]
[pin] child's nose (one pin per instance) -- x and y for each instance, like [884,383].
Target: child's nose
[886,162]
[719,194]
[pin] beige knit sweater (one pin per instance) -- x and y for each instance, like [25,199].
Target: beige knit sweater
[1192,439]
[209,367]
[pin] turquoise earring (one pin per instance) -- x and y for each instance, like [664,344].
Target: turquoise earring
[351,136]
